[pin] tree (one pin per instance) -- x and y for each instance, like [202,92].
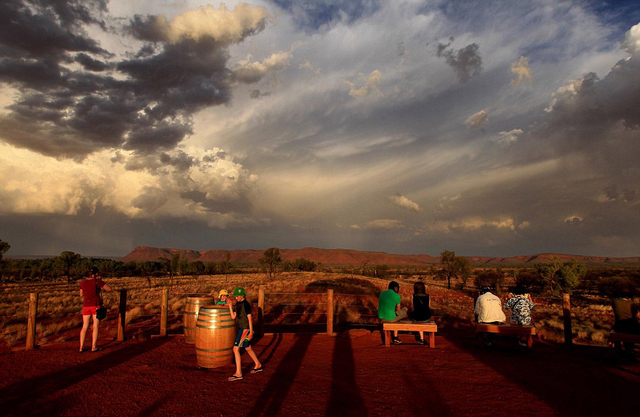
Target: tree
[4,247]
[563,277]
[271,259]
[69,259]
[454,267]
[175,264]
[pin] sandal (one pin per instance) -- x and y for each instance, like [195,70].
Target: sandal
[234,378]
[98,349]
[256,370]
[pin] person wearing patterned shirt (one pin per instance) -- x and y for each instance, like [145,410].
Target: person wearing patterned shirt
[521,305]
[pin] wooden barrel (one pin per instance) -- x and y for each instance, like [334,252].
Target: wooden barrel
[215,335]
[194,302]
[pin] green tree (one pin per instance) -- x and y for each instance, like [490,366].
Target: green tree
[68,260]
[562,277]
[454,267]
[270,260]
[175,265]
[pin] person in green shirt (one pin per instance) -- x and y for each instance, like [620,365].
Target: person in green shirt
[389,308]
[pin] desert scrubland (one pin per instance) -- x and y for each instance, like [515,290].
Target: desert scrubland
[300,298]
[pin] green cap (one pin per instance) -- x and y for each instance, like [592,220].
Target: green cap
[238,291]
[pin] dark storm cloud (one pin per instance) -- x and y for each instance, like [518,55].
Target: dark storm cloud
[70,110]
[312,14]
[466,62]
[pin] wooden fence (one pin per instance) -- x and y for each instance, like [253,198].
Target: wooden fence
[164,315]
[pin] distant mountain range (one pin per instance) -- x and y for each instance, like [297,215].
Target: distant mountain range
[346,257]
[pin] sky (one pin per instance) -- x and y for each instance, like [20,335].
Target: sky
[490,128]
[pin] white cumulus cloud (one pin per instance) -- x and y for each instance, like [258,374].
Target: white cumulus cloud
[402,201]
[477,120]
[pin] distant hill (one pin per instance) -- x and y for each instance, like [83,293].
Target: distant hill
[345,257]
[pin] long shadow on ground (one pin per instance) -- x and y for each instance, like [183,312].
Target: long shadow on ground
[21,398]
[270,401]
[345,396]
[572,381]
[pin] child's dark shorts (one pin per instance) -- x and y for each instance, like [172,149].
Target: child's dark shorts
[242,338]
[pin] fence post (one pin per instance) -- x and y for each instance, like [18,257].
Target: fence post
[330,312]
[164,309]
[566,312]
[261,310]
[122,315]
[31,321]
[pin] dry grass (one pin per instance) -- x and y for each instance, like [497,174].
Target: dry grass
[295,297]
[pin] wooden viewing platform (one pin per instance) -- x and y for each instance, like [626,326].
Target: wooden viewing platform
[411,326]
[508,330]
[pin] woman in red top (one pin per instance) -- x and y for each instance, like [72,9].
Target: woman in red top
[90,290]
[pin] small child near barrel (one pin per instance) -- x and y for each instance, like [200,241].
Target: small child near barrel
[242,315]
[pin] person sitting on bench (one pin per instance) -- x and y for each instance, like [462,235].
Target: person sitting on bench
[421,307]
[389,308]
[488,310]
[627,315]
[521,305]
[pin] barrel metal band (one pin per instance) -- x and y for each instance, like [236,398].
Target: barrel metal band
[214,327]
[213,350]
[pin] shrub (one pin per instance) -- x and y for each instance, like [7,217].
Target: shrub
[493,279]
[610,286]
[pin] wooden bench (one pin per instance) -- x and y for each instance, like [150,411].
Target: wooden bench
[617,338]
[508,330]
[411,326]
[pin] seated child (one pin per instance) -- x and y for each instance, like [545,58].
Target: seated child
[421,306]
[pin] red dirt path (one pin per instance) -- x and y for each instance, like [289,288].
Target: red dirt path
[317,375]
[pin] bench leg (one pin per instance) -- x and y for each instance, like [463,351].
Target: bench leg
[529,341]
[387,338]
[432,340]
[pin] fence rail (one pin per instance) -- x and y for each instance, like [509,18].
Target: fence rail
[328,309]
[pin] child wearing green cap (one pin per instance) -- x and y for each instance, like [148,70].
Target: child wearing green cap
[242,315]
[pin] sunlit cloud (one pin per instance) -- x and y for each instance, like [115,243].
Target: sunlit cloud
[403,202]
[477,120]
[370,86]
[521,69]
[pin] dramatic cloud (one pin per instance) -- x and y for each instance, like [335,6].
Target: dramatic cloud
[466,62]
[522,70]
[159,121]
[402,201]
[477,120]
[631,41]
[143,103]
[206,186]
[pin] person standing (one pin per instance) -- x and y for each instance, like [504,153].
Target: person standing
[90,289]
[224,298]
[390,309]
[242,315]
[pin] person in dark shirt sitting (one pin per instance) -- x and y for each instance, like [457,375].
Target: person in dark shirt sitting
[421,307]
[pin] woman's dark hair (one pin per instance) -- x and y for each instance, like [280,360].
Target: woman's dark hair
[393,285]
[419,288]
[94,270]
[519,290]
